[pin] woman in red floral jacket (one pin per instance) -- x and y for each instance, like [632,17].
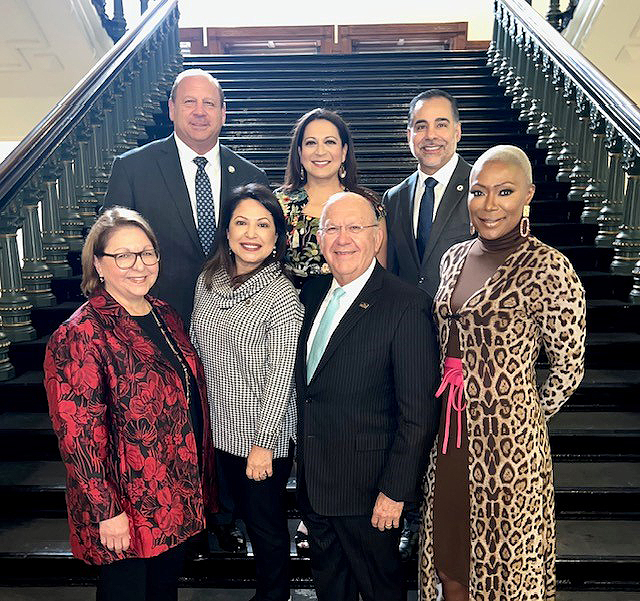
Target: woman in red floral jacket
[127,399]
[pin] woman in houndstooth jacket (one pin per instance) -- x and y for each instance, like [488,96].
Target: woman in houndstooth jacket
[245,325]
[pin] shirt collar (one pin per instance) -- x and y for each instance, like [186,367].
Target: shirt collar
[352,289]
[187,154]
[442,175]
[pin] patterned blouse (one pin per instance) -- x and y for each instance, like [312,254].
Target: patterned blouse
[246,337]
[303,252]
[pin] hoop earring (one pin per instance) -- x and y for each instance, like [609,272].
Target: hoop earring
[472,229]
[524,222]
[342,172]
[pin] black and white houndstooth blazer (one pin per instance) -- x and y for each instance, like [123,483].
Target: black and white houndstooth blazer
[247,341]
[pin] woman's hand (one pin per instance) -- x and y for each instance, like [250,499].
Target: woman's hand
[259,463]
[114,533]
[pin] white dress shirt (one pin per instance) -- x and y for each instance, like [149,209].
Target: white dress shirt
[351,291]
[442,176]
[189,169]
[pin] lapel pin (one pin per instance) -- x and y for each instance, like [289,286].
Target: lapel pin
[231,169]
[460,188]
[364,305]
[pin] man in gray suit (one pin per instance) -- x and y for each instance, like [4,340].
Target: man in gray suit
[180,184]
[427,212]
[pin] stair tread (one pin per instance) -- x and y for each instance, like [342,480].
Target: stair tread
[596,475]
[40,474]
[592,476]
[608,422]
[584,539]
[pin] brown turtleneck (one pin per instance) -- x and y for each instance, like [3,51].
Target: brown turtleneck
[451,497]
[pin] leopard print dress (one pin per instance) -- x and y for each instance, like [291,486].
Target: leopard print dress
[533,300]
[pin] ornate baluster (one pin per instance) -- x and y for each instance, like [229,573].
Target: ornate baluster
[7,371]
[87,201]
[554,142]
[15,308]
[54,245]
[532,110]
[523,100]
[582,164]
[516,87]
[595,193]
[554,15]
[174,40]
[36,275]
[610,218]
[570,132]
[544,125]
[493,46]
[507,71]
[502,40]
[627,243]
[72,224]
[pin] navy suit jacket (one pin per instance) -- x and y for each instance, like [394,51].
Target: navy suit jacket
[450,226]
[368,417]
[149,179]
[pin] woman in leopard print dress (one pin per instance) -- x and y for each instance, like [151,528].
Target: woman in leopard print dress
[488,529]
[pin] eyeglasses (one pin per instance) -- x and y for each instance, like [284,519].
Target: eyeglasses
[353,230]
[128,260]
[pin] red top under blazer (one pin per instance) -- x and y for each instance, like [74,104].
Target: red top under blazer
[121,416]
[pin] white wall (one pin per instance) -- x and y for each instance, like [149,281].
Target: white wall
[479,13]
[46,47]
[607,32]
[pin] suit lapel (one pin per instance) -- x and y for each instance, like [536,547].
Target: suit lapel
[406,218]
[454,194]
[360,306]
[171,170]
[310,312]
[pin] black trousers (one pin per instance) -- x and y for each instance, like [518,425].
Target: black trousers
[350,557]
[262,506]
[152,579]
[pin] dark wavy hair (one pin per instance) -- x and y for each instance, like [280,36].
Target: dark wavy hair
[292,178]
[222,256]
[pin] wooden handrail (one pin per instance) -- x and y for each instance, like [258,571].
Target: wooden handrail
[620,110]
[46,135]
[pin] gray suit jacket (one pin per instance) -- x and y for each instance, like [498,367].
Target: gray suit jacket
[149,179]
[450,226]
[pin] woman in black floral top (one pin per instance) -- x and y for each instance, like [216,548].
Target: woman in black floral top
[321,163]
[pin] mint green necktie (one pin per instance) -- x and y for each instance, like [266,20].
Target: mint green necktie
[322,333]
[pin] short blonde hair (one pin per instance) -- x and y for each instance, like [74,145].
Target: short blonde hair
[506,153]
[98,237]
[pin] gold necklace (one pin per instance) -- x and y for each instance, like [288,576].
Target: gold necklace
[178,357]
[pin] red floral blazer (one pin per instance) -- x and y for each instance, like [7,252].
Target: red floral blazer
[121,416]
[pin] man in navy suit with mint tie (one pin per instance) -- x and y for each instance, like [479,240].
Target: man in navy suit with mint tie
[367,417]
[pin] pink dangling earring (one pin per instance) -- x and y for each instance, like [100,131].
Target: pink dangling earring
[524,222]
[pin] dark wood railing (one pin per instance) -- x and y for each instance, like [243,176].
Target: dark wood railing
[61,168]
[588,126]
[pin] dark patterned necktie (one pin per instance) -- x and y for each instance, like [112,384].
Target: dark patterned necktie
[204,207]
[425,216]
